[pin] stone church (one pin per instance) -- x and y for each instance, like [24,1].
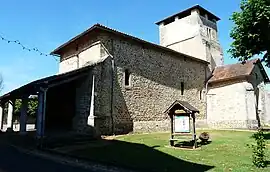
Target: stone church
[110,82]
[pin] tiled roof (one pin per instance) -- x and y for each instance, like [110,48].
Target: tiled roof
[183,104]
[44,82]
[99,27]
[235,71]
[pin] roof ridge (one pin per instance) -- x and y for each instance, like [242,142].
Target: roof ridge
[108,29]
[247,61]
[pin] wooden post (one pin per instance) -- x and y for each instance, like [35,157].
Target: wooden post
[10,115]
[1,116]
[39,114]
[194,131]
[172,136]
[23,116]
[44,112]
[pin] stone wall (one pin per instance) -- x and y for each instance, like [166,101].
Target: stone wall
[100,121]
[155,83]
[267,108]
[257,81]
[226,105]
[155,78]
[83,101]
[237,104]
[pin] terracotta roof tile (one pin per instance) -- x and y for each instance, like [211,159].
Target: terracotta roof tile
[233,71]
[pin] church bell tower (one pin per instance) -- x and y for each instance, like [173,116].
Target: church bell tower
[193,32]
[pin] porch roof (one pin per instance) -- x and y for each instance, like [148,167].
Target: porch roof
[185,105]
[33,87]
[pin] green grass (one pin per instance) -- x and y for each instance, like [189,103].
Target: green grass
[228,151]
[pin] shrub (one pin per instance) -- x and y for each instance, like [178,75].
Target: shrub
[258,156]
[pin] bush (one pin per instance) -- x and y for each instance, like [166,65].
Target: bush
[258,156]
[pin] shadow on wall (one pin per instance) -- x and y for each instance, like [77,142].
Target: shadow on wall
[135,156]
[123,122]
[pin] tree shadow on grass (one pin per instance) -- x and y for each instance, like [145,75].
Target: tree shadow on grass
[137,156]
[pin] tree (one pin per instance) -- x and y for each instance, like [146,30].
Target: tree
[251,32]
[32,107]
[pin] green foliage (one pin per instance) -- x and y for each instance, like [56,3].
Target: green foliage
[251,34]
[258,156]
[32,107]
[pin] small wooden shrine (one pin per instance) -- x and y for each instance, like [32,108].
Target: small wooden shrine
[182,116]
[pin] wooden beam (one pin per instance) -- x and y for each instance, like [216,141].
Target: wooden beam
[39,114]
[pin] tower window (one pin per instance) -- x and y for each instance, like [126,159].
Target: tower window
[209,32]
[127,77]
[200,94]
[182,88]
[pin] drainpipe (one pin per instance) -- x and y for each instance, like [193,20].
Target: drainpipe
[206,88]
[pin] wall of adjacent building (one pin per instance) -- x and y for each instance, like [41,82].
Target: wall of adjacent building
[262,105]
[267,108]
[238,104]
[231,105]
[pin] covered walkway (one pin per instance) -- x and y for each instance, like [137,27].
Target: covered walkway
[60,87]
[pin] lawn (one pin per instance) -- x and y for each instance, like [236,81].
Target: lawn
[228,151]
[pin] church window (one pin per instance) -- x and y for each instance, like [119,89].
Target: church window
[127,77]
[209,32]
[182,88]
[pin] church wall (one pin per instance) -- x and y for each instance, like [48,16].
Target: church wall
[155,83]
[194,35]
[90,53]
[100,121]
[183,35]
[86,53]
[230,105]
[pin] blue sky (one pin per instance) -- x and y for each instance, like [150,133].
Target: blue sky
[47,24]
